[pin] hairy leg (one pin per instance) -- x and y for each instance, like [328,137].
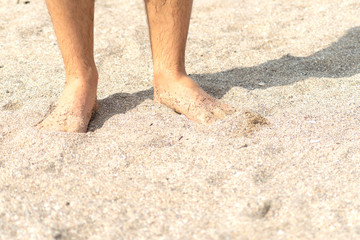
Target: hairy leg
[168,26]
[73,23]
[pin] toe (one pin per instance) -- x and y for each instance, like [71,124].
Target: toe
[207,118]
[219,112]
[228,109]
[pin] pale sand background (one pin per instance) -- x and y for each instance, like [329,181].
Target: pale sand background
[144,172]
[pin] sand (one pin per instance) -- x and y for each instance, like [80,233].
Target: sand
[285,166]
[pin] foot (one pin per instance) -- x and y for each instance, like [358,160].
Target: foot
[74,109]
[184,96]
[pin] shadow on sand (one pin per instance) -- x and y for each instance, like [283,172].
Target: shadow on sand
[340,59]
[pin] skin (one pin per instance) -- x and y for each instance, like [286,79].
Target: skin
[168,27]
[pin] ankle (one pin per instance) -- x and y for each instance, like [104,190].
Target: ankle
[167,76]
[85,78]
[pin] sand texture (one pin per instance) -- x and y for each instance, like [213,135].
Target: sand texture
[286,165]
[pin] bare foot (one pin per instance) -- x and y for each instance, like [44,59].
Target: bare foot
[183,95]
[74,109]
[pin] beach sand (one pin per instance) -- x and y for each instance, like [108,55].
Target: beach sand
[286,165]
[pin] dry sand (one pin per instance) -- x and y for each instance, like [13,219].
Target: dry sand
[145,172]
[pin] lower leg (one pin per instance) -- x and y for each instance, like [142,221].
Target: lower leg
[73,23]
[168,26]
